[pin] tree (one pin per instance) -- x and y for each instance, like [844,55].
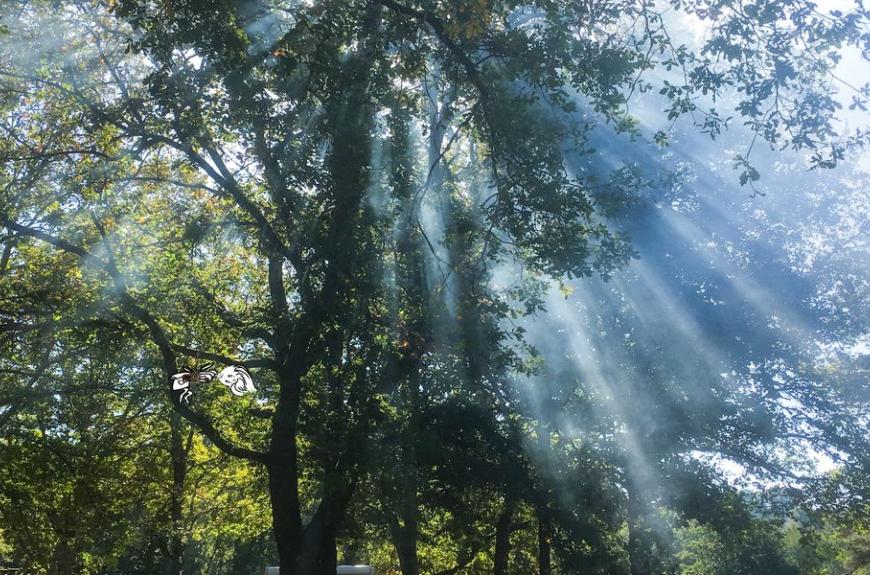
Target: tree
[248,142]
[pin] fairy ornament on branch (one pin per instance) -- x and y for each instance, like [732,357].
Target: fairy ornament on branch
[236,377]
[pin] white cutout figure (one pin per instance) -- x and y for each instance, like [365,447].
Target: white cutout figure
[181,381]
[238,379]
[180,384]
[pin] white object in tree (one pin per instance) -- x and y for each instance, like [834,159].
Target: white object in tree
[238,379]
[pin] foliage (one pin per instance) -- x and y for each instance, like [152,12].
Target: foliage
[368,203]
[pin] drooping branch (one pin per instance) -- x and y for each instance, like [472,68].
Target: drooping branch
[170,366]
[36,154]
[221,175]
[156,331]
[48,238]
[218,358]
[217,170]
[438,27]
[485,103]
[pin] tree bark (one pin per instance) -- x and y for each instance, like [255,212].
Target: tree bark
[319,555]
[64,559]
[406,534]
[178,458]
[284,477]
[405,541]
[543,512]
[310,550]
[638,540]
[503,530]
[402,509]
[544,548]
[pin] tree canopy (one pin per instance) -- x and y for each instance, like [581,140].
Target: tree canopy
[433,232]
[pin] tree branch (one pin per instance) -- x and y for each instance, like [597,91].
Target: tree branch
[471,69]
[218,358]
[158,336]
[231,318]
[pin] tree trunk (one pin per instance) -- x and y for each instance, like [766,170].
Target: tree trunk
[544,548]
[402,515]
[405,534]
[178,457]
[503,529]
[64,560]
[319,556]
[283,470]
[638,540]
[310,550]
[405,542]
[543,512]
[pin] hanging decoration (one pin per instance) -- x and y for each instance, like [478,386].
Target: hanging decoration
[236,377]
